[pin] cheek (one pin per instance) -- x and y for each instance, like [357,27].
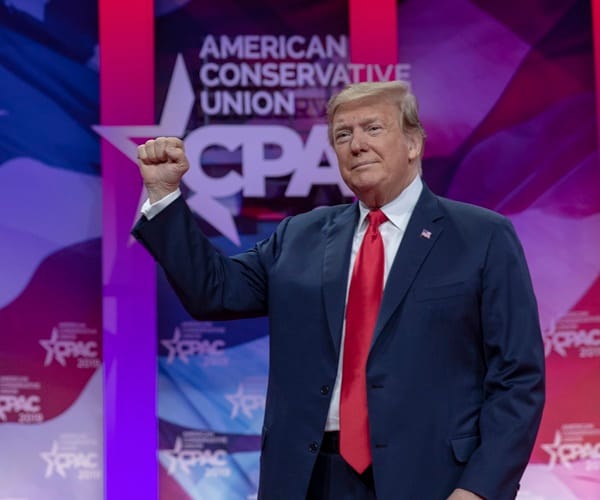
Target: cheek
[343,162]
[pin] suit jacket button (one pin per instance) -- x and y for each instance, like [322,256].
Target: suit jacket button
[324,390]
[313,447]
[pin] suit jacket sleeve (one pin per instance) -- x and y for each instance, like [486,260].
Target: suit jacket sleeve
[209,285]
[514,382]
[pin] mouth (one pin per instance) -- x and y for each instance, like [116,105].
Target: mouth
[361,164]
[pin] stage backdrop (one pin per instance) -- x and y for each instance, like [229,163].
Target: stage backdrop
[506,94]
[507,99]
[256,138]
[50,255]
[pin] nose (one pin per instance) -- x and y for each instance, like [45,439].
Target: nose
[358,142]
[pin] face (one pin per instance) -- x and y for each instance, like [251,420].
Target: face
[376,159]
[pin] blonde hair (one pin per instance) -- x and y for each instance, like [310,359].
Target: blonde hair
[397,92]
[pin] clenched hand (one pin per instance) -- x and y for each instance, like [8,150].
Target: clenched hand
[162,163]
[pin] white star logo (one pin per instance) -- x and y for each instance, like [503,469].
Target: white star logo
[51,459]
[4,407]
[236,400]
[247,403]
[49,345]
[173,122]
[173,456]
[171,346]
[548,336]
[553,450]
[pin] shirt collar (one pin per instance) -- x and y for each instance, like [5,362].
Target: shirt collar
[400,208]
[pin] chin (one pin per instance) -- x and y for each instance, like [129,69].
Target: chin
[364,192]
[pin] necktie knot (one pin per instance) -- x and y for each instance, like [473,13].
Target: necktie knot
[375,218]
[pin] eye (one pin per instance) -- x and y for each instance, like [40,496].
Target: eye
[342,136]
[374,128]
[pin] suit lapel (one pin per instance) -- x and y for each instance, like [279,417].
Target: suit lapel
[338,232]
[424,228]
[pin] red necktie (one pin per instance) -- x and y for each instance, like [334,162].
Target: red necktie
[362,309]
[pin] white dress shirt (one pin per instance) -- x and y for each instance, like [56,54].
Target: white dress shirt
[398,212]
[151,210]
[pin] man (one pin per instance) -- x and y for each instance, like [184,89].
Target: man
[405,354]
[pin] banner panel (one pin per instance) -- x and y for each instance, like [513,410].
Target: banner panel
[50,298]
[508,102]
[254,85]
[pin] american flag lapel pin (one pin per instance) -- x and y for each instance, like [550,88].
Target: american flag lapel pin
[425,233]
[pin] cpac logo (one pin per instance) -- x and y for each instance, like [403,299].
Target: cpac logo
[187,459]
[246,403]
[301,160]
[63,349]
[565,453]
[60,462]
[560,341]
[183,348]
[19,404]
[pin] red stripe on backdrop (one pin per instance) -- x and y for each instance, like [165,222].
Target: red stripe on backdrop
[373,31]
[596,32]
[127,62]
[129,281]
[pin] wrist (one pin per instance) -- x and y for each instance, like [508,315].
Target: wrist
[157,193]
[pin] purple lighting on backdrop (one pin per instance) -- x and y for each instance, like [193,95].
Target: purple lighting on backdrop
[129,285]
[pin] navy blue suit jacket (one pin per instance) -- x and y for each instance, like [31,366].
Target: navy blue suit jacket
[455,375]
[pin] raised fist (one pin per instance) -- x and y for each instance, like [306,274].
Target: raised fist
[162,163]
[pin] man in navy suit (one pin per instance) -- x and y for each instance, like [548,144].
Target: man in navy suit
[406,359]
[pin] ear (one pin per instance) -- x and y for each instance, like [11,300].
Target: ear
[415,145]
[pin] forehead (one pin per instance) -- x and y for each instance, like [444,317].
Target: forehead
[366,109]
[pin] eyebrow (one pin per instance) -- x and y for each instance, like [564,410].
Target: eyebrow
[367,121]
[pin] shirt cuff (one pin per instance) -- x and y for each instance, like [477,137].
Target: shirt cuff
[151,210]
